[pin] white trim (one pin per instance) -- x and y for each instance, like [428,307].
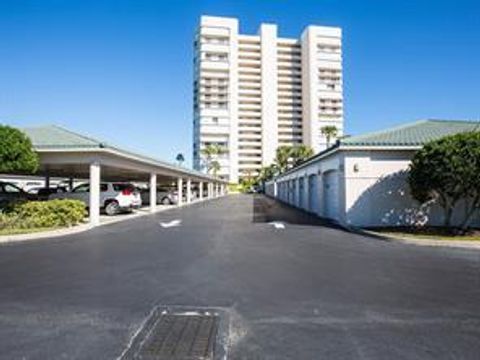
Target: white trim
[128,156]
[347,148]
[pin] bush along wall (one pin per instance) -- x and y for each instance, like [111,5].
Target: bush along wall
[43,214]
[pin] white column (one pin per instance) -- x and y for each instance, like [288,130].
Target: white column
[153,192]
[200,190]
[189,191]
[275,189]
[310,82]
[268,49]
[210,190]
[180,191]
[94,201]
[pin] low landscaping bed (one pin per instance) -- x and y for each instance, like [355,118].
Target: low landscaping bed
[429,232]
[34,216]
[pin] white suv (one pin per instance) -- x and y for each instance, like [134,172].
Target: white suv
[114,197]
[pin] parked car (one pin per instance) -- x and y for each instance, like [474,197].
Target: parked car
[10,193]
[115,197]
[165,196]
[32,184]
[43,193]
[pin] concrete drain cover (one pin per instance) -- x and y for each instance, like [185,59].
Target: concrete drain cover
[176,336]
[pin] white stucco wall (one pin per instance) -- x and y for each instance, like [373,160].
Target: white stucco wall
[372,189]
[377,192]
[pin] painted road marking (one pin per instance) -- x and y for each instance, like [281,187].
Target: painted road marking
[173,223]
[277,225]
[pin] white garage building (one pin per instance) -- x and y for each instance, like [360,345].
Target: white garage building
[361,181]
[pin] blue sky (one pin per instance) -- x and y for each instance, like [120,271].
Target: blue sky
[122,70]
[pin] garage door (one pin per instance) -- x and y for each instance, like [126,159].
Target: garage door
[330,192]
[293,200]
[301,192]
[313,194]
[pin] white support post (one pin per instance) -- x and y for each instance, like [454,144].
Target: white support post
[180,191]
[216,190]
[200,190]
[153,192]
[189,191]
[209,190]
[94,201]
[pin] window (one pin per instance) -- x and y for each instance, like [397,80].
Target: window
[84,188]
[121,187]
[11,189]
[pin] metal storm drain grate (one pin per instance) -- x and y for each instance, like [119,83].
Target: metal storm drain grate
[184,336]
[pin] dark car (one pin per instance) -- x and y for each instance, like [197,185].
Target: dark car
[10,194]
[43,193]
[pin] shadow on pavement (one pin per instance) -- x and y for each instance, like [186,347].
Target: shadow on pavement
[266,209]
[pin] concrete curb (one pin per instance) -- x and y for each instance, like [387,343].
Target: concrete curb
[6,239]
[463,244]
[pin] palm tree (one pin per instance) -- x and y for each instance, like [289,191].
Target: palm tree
[214,167]
[289,156]
[212,151]
[180,159]
[329,131]
[300,153]
[283,156]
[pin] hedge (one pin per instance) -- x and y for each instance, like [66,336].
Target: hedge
[43,214]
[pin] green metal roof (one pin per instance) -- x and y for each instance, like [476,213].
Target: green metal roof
[412,134]
[53,137]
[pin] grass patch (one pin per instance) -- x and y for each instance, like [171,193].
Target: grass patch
[428,233]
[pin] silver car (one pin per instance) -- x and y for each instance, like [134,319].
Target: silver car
[114,196]
[165,196]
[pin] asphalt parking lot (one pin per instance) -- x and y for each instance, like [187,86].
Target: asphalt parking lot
[307,291]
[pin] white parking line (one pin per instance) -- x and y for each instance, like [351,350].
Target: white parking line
[277,225]
[173,223]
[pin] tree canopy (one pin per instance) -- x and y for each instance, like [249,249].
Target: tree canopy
[16,152]
[211,152]
[329,131]
[180,158]
[291,156]
[286,158]
[448,171]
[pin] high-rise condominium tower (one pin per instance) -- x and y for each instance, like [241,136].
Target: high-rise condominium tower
[254,93]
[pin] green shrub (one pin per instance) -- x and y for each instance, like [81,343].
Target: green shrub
[44,214]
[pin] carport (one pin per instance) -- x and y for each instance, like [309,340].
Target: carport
[64,153]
